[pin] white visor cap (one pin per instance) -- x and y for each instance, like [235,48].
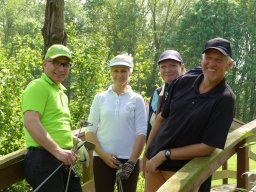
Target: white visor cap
[121,63]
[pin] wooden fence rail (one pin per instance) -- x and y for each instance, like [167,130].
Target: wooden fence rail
[11,168]
[187,179]
[193,174]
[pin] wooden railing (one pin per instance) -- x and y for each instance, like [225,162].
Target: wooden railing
[11,168]
[193,174]
[187,179]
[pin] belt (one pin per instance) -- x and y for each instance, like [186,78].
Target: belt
[36,148]
[39,148]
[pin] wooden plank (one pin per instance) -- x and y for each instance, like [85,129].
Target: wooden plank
[224,188]
[11,174]
[224,174]
[11,168]
[12,158]
[236,124]
[11,165]
[251,181]
[252,155]
[89,186]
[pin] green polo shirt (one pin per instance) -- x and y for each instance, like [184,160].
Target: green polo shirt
[47,98]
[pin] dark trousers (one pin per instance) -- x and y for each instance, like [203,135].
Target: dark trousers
[105,177]
[39,164]
[206,185]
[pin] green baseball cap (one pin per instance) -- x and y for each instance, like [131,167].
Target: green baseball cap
[58,50]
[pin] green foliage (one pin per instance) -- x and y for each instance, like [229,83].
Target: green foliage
[89,74]
[142,71]
[113,27]
[20,186]
[245,71]
[122,23]
[15,74]
[203,21]
[20,17]
[212,18]
[100,29]
[74,13]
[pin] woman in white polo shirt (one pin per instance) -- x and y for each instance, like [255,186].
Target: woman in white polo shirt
[119,129]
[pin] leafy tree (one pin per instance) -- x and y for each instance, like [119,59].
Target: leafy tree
[15,74]
[124,26]
[246,81]
[20,17]
[213,18]
[76,14]
[203,21]
[163,18]
[89,74]
[100,29]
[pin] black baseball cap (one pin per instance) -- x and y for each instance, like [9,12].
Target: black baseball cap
[170,54]
[222,45]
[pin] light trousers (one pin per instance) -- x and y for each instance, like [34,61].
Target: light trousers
[154,180]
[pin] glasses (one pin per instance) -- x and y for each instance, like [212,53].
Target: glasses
[57,64]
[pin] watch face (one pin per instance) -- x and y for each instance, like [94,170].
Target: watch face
[167,154]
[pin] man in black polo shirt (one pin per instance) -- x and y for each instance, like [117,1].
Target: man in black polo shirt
[195,119]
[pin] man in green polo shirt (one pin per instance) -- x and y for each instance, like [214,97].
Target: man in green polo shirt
[47,125]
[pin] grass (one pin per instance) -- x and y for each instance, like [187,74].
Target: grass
[232,166]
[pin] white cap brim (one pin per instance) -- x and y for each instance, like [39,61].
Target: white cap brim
[120,63]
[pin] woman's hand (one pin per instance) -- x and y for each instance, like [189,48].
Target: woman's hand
[111,160]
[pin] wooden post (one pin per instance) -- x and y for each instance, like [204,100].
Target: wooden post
[225,167]
[242,165]
[87,171]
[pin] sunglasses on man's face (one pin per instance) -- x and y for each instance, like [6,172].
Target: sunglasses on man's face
[57,63]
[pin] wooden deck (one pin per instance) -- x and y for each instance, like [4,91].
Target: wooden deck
[224,188]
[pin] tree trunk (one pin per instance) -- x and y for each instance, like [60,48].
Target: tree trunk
[53,29]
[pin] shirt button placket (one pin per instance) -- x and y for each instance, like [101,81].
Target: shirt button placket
[117,106]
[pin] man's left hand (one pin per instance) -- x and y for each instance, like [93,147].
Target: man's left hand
[154,162]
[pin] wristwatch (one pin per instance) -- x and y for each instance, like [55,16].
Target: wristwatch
[167,154]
